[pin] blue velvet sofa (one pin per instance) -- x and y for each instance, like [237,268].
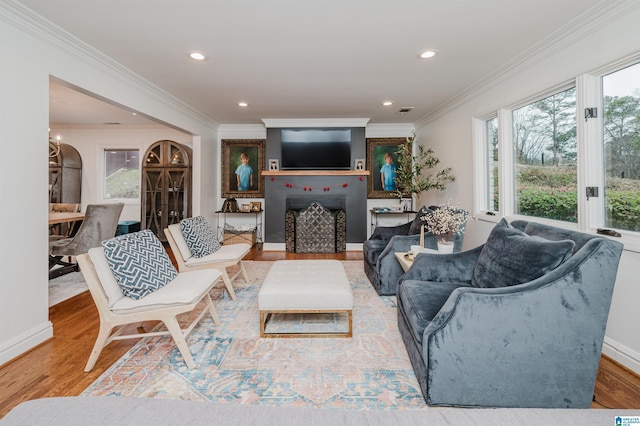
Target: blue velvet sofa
[516,322]
[380,264]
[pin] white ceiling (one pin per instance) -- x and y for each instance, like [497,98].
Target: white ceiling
[298,59]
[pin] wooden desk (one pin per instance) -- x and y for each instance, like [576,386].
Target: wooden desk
[64,217]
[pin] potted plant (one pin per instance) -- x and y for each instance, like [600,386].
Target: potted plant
[411,171]
[447,221]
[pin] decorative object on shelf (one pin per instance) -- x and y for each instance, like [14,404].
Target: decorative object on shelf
[406,204]
[242,161]
[445,222]
[255,206]
[244,208]
[274,164]
[382,164]
[411,171]
[166,186]
[230,205]
[359,164]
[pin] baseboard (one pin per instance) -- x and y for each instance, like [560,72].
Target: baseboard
[622,354]
[25,341]
[282,247]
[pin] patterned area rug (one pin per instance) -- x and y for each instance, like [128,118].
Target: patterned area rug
[371,370]
[65,287]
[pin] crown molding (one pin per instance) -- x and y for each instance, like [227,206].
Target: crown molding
[18,15]
[315,122]
[583,25]
[389,130]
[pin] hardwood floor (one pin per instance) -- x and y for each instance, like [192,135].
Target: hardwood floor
[55,368]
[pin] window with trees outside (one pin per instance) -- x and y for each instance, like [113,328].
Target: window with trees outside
[570,155]
[121,174]
[544,141]
[621,138]
[492,200]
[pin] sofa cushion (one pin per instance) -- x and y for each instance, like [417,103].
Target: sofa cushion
[139,263]
[107,279]
[511,257]
[199,236]
[187,287]
[418,221]
[422,300]
[227,253]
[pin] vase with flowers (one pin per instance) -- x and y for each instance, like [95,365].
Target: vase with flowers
[445,222]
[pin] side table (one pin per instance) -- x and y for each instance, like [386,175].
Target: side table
[406,260]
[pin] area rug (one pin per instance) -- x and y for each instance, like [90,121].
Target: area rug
[65,287]
[369,371]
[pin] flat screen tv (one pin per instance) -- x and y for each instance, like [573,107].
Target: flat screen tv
[315,149]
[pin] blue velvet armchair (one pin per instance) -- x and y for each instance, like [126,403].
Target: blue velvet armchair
[516,322]
[380,264]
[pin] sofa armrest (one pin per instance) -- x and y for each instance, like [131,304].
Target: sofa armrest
[386,232]
[455,267]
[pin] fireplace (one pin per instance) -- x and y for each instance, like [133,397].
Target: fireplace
[316,227]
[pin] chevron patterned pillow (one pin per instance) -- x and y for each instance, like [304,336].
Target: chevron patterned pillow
[199,236]
[139,263]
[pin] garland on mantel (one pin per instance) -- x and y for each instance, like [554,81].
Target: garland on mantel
[310,188]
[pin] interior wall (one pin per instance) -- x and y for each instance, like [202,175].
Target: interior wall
[450,136]
[36,52]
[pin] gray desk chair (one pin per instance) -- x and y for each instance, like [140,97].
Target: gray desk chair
[99,224]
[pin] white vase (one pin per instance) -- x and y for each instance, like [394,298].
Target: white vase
[445,247]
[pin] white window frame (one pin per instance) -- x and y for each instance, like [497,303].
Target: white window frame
[590,157]
[101,169]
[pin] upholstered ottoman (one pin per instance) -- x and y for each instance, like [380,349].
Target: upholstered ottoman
[305,286]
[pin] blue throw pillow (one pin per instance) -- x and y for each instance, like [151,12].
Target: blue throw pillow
[139,263]
[199,236]
[511,257]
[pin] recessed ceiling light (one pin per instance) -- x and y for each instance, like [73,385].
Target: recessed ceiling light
[243,104]
[197,56]
[430,53]
[387,103]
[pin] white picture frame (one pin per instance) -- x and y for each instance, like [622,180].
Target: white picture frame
[274,164]
[359,164]
[406,204]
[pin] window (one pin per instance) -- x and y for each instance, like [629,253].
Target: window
[571,155]
[621,139]
[121,174]
[491,134]
[544,143]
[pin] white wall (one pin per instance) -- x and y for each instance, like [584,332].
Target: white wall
[32,52]
[449,134]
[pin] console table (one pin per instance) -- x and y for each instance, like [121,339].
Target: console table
[246,235]
[377,212]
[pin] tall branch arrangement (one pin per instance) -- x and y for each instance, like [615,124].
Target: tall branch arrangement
[412,175]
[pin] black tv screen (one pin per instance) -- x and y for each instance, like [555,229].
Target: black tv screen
[316,149]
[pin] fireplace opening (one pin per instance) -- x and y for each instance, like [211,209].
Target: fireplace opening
[315,227]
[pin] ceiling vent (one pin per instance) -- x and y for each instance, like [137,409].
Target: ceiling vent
[404,110]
